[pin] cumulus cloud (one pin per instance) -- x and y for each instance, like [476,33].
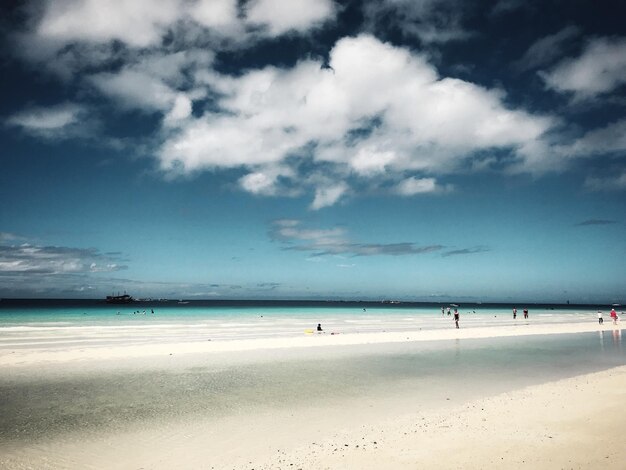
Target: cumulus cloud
[138,23]
[221,15]
[153,83]
[373,114]
[52,121]
[269,181]
[281,16]
[376,111]
[600,68]
[144,25]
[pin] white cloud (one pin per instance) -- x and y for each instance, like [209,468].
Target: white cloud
[281,16]
[608,139]
[138,23]
[53,121]
[219,14]
[600,69]
[135,89]
[328,195]
[143,25]
[377,112]
[152,83]
[181,109]
[266,181]
[369,161]
[412,186]
[258,183]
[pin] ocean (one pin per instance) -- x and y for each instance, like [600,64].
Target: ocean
[29,322]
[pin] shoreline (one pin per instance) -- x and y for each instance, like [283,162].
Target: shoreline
[83,352]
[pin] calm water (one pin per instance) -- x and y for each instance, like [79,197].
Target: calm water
[37,404]
[98,313]
[101,396]
[59,323]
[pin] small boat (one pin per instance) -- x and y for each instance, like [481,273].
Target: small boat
[119,299]
[183,302]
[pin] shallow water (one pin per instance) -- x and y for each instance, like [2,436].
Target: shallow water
[60,325]
[36,404]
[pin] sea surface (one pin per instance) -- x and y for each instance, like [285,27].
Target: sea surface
[260,319]
[59,324]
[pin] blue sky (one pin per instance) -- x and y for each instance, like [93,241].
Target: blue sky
[221,149]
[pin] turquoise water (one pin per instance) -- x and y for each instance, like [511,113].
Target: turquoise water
[60,324]
[94,313]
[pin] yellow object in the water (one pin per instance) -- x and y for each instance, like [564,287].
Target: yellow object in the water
[308,332]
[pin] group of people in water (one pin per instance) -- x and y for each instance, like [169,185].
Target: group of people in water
[448,310]
[139,312]
[515,313]
[456,314]
[613,314]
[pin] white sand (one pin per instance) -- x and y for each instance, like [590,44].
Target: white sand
[24,356]
[572,423]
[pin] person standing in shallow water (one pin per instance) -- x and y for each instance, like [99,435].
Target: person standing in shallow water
[600,319]
[526,313]
[514,313]
[456,317]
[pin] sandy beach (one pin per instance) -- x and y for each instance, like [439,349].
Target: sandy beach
[91,350]
[572,423]
[534,396]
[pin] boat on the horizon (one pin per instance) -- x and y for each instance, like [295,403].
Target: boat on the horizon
[119,299]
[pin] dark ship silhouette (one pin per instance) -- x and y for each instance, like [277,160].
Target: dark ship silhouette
[119,299]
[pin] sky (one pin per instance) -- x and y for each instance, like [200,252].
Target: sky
[419,150]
